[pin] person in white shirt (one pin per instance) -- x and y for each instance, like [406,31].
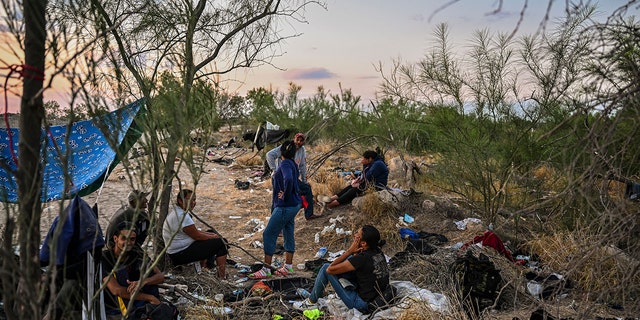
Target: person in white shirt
[185,243]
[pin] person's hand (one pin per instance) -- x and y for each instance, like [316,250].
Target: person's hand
[133,285]
[281,194]
[355,245]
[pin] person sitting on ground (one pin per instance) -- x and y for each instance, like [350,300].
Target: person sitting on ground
[286,204]
[359,276]
[185,243]
[121,266]
[134,212]
[274,159]
[375,173]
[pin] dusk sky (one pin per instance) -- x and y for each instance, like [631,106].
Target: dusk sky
[344,43]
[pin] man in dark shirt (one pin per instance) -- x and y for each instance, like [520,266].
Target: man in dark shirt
[134,212]
[121,268]
[364,268]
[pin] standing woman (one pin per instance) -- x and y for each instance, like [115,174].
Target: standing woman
[286,204]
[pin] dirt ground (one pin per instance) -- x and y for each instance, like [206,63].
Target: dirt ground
[237,215]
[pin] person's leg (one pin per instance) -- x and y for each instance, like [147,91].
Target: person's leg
[350,296]
[288,231]
[201,251]
[221,265]
[305,190]
[342,192]
[288,227]
[345,196]
[271,231]
[320,284]
[269,238]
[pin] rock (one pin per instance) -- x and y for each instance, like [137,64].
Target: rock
[391,197]
[428,205]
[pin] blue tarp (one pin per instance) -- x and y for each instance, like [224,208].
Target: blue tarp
[92,149]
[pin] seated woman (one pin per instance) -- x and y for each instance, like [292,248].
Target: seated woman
[375,173]
[364,268]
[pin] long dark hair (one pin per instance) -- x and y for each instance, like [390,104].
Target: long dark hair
[371,236]
[288,149]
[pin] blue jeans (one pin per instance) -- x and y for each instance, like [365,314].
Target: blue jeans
[282,218]
[350,297]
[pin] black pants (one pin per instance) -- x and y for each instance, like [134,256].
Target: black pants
[349,193]
[200,250]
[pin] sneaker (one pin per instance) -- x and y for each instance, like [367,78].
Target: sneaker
[314,216]
[284,271]
[260,274]
[305,304]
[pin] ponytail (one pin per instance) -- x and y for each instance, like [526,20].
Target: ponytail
[371,236]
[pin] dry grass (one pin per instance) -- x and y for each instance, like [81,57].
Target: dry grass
[327,182]
[593,266]
[249,160]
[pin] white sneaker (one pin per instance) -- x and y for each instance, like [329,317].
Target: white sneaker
[305,304]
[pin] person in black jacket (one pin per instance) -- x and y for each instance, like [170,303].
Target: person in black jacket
[375,173]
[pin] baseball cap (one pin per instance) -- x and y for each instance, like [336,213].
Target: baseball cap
[137,195]
[300,135]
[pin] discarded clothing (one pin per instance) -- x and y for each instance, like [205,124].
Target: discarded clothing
[492,240]
[242,185]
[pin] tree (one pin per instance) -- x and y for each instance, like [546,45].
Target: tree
[118,49]
[194,40]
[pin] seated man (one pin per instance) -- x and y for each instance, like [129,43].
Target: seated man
[121,270]
[185,243]
[136,213]
[375,173]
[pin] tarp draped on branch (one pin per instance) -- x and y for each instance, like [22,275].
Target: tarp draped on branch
[89,147]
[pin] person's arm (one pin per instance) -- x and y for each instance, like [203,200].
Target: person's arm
[198,235]
[302,166]
[156,278]
[122,292]
[288,179]
[341,264]
[372,171]
[272,156]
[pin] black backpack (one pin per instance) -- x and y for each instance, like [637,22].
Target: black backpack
[477,277]
[162,311]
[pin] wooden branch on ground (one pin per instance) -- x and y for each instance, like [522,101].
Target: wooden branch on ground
[253,299]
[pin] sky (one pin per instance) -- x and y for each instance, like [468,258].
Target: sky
[344,43]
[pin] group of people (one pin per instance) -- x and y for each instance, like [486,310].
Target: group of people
[363,264]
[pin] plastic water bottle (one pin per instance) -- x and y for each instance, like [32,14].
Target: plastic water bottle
[321,253]
[219,311]
[317,238]
[303,293]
